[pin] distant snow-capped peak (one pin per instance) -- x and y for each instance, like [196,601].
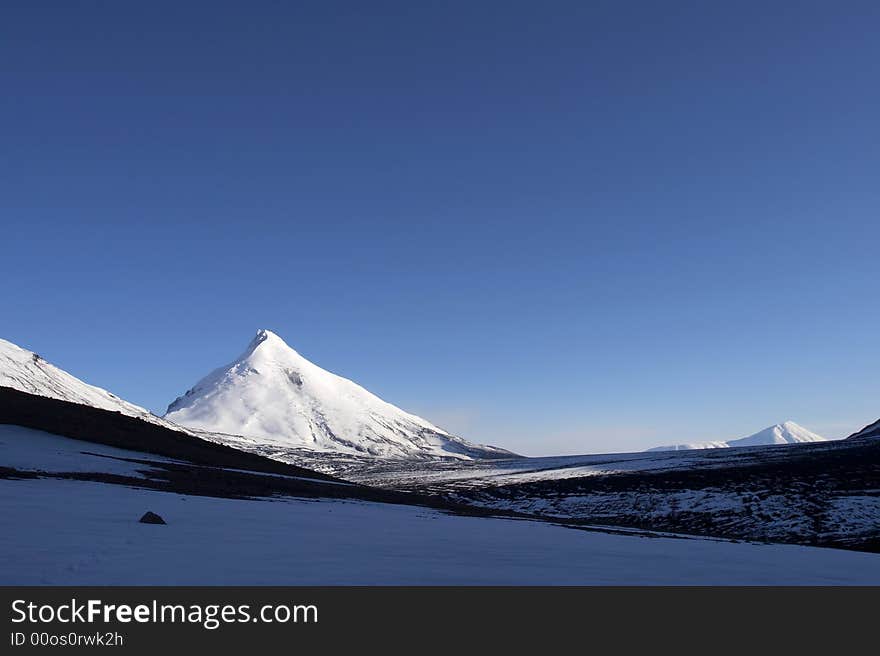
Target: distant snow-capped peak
[787,432]
[273,394]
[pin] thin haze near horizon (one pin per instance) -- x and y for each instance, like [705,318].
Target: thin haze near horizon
[582,227]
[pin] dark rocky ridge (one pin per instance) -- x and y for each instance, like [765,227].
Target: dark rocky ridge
[83,422]
[871,430]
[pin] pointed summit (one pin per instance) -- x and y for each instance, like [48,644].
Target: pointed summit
[276,397]
[267,336]
[264,342]
[787,432]
[262,335]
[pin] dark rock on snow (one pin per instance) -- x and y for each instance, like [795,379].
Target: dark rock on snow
[151,518]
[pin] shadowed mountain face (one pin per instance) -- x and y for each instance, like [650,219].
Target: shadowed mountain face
[275,396]
[871,430]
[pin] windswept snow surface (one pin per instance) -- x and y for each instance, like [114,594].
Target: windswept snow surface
[87,533]
[785,433]
[31,450]
[275,397]
[27,372]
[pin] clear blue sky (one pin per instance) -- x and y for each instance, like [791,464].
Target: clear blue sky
[558,227]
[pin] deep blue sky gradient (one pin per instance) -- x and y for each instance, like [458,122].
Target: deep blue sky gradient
[558,227]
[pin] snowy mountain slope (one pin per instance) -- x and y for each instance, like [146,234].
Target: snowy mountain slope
[27,372]
[273,395]
[785,433]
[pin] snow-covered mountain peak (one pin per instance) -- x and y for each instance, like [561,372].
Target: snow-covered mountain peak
[266,346]
[267,340]
[788,432]
[274,395]
[269,360]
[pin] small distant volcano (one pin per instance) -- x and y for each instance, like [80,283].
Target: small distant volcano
[787,432]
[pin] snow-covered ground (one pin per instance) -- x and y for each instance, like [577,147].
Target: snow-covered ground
[61,531]
[86,533]
[26,449]
[771,515]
